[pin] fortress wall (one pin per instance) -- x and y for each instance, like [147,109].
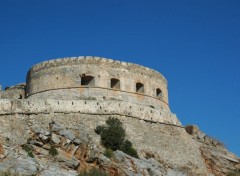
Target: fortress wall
[98,93]
[67,73]
[34,106]
[13,94]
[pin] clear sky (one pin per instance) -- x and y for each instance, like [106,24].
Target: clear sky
[195,44]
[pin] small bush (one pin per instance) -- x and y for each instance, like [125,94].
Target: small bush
[235,172]
[215,142]
[7,139]
[108,153]
[128,149]
[113,137]
[8,173]
[28,149]
[30,154]
[99,129]
[93,172]
[218,143]
[53,151]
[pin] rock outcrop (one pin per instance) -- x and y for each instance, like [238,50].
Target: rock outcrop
[218,159]
[66,144]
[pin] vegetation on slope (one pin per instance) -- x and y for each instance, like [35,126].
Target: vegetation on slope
[235,172]
[113,137]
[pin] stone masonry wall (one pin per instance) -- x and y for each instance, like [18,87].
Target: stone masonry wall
[14,92]
[61,79]
[100,94]
[107,107]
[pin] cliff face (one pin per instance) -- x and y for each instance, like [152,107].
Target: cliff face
[28,145]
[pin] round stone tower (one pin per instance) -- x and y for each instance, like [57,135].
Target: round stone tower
[95,78]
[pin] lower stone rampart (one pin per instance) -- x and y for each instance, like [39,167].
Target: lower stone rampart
[107,107]
[100,94]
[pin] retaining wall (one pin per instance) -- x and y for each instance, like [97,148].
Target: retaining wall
[34,106]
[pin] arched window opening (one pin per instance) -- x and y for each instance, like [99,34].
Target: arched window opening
[158,93]
[87,80]
[139,88]
[20,96]
[115,83]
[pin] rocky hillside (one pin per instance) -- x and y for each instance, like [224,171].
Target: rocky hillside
[66,144]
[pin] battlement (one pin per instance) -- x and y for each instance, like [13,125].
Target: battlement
[93,60]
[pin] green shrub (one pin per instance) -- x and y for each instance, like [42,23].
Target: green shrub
[28,149]
[113,137]
[7,139]
[235,172]
[53,151]
[108,153]
[93,172]
[128,149]
[8,173]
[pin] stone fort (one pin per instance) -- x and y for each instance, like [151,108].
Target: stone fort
[91,85]
[75,95]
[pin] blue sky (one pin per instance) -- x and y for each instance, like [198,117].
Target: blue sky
[195,44]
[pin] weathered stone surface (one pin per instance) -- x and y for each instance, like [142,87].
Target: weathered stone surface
[2,153]
[77,141]
[164,150]
[66,133]
[34,142]
[43,137]
[55,127]
[55,139]
[50,79]
[57,171]
[219,160]
[39,130]
[103,160]
[68,160]
[14,92]
[41,151]
[136,167]
[21,165]
[89,106]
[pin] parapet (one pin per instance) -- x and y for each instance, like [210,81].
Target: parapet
[87,78]
[94,60]
[14,92]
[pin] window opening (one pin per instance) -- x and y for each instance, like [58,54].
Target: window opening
[115,83]
[139,88]
[87,81]
[159,93]
[20,96]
